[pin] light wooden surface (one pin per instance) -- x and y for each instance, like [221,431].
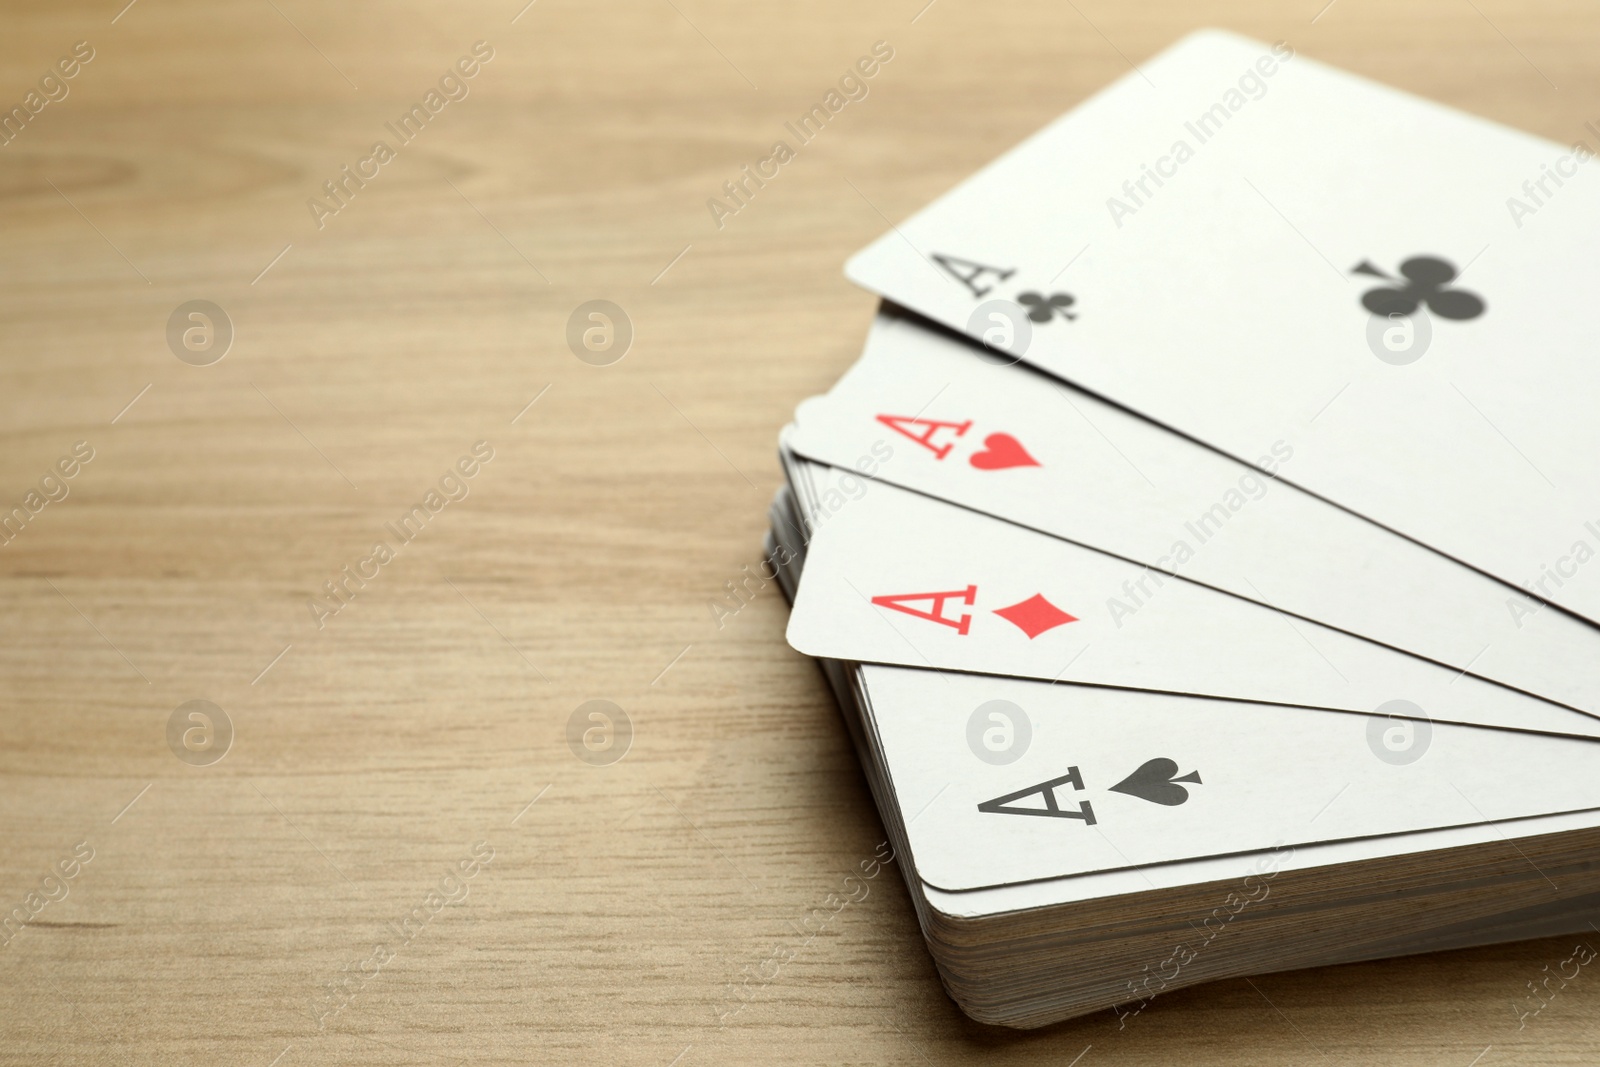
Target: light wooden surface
[648,912]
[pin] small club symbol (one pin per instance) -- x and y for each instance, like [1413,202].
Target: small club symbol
[1426,279]
[1042,308]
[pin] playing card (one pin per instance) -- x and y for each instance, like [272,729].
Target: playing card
[899,578]
[925,410]
[1253,248]
[1232,868]
[1115,779]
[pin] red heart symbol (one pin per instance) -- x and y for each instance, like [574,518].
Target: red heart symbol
[1001,450]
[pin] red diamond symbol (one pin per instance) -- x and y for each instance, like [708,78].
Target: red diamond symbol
[1035,615]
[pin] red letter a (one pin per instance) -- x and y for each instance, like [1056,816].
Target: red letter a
[898,424]
[960,626]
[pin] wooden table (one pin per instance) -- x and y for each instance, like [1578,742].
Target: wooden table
[633,912]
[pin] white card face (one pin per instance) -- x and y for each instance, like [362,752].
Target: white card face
[897,577]
[1111,779]
[1234,868]
[927,411]
[1251,247]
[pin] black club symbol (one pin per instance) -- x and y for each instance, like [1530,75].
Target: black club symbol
[1043,308]
[1426,278]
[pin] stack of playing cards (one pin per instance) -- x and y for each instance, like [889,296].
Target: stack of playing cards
[1199,550]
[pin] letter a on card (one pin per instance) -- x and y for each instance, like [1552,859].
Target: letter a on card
[901,602]
[972,276]
[898,424]
[1049,806]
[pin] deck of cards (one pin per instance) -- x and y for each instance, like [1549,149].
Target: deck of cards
[1201,550]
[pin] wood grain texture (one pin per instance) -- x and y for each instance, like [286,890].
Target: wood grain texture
[653,911]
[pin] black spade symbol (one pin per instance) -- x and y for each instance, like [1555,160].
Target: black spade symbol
[1157,781]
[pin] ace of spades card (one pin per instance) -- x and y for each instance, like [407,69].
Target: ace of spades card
[1114,779]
